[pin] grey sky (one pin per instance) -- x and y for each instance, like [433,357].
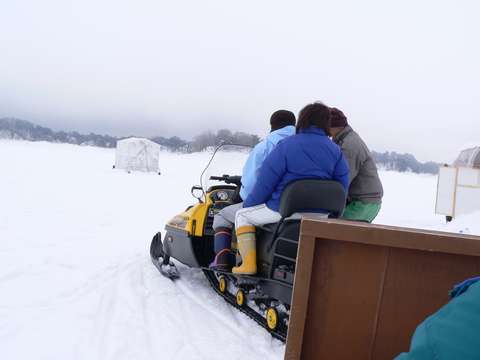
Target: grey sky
[406,73]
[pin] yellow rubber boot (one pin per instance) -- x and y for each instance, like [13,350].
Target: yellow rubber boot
[248,251]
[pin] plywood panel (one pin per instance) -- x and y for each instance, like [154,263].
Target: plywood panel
[416,285]
[345,276]
[360,290]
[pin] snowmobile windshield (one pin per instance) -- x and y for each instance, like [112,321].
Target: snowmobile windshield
[225,159]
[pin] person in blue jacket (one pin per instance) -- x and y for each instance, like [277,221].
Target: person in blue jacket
[310,154]
[453,332]
[282,123]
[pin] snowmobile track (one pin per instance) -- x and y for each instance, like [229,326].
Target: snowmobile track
[280,334]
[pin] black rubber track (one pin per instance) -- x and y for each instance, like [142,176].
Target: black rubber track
[280,333]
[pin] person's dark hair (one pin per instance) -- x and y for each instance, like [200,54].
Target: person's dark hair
[316,114]
[338,118]
[282,118]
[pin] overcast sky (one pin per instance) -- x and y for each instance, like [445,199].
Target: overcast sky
[406,73]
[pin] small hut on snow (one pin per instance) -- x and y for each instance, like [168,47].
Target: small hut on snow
[458,190]
[469,158]
[137,154]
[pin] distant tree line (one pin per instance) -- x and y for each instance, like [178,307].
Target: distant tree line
[24,130]
[404,163]
[11,128]
[206,140]
[223,136]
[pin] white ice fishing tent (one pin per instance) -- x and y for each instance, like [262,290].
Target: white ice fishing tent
[137,154]
[458,190]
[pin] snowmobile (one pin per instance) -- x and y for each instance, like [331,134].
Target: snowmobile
[266,296]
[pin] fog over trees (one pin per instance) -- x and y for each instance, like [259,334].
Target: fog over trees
[11,128]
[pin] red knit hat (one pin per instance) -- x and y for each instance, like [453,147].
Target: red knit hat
[338,118]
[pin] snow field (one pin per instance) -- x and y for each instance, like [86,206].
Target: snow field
[409,201]
[76,280]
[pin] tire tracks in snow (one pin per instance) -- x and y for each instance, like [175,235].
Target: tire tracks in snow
[126,319]
[194,298]
[243,333]
[119,329]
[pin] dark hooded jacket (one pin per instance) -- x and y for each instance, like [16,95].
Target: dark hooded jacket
[365,185]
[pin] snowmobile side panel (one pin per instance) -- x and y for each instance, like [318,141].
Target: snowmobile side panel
[277,290]
[178,245]
[283,253]
[286,243]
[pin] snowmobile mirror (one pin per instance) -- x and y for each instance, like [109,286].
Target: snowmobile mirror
[197,193]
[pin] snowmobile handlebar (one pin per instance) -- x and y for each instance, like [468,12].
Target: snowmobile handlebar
[227,179]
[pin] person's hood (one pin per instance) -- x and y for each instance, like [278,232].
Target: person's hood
[282,133]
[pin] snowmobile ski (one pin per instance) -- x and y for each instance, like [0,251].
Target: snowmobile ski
[167,269]
[161,260]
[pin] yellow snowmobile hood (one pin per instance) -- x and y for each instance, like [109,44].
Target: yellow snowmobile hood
[193,219]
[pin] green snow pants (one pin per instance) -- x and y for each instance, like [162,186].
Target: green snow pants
[361,211]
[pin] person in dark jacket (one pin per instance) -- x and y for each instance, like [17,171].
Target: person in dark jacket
[308,154]
[365,188]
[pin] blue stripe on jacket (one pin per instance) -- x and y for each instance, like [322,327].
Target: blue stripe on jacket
[309,154]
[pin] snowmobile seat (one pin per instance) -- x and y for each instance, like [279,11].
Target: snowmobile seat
[299,198]
[302,196]
[307,195]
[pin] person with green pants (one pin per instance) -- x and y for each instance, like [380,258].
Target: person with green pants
[365,191]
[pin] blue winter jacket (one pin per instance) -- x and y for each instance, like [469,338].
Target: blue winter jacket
[258,155]
[309,154]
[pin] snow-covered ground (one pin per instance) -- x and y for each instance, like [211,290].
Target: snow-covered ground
[76,280]
[409,201]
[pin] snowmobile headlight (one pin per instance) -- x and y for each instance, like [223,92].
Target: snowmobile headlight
[222,195]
